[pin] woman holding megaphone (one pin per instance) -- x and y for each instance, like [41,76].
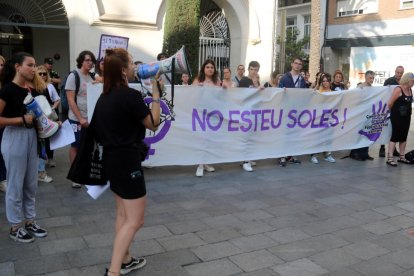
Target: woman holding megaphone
[19,147]
[120,121]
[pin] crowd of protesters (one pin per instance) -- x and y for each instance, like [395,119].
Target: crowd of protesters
[24,156]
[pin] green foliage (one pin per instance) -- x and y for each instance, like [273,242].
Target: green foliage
[293,48]
[182,27]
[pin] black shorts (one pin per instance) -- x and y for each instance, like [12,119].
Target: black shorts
[123,168]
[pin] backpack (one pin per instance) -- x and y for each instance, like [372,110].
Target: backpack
[410,156]
[63,99]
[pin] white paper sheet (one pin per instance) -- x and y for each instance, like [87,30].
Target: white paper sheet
[63,137]
[96,191]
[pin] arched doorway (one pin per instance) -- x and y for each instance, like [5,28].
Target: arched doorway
[214,36]
[34,26]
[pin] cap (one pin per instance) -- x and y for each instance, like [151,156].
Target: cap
[49,60]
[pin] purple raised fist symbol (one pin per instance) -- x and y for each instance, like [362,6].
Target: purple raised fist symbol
[160,134]
[375,122]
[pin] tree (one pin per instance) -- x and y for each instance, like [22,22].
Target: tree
[291,48]
[182,27]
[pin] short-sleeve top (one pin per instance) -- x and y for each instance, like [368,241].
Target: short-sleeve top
[81,97]
[118,117]
[14,95]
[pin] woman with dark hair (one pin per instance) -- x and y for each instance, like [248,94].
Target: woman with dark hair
[207,76]
[19,148]
[120,120]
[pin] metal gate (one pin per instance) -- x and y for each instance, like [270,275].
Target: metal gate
[214,40]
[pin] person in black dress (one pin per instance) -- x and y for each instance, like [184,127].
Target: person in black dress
[400,106]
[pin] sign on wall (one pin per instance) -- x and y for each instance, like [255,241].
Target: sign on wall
[111,41]
[381,60]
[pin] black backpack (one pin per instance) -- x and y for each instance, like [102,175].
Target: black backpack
[410,156]
[63,99]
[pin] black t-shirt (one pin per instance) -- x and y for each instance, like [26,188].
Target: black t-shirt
[14,96]
[337,87]
[118,117]
[391,81]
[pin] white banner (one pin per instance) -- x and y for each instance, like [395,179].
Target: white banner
[215,125]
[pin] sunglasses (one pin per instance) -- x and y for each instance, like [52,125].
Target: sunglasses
[42,74]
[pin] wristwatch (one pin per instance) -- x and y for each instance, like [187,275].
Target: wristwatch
[156,100]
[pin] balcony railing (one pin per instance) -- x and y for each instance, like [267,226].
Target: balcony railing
[285,3]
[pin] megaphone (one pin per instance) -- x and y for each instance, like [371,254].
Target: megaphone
[146,70]
[45,126]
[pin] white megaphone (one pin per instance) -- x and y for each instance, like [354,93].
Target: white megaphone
[45,126]
[146,70]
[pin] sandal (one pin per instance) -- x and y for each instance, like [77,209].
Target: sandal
[390,161]
[402,159]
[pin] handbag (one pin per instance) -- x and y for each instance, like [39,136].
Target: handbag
[88,166]
[403,110]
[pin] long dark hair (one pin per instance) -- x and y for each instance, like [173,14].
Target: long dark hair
[9,71]
[202,75]
[115,60]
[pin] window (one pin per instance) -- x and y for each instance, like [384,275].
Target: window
[407,4]
[286,3]
[307,28]
[357,7]
[291,24]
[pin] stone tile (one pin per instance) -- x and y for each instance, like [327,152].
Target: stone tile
[253,215]
[42,264]
[376,267]
[255,260]
[146,248]
[408,205]
[368,216]
[287,235]
[402,258]
[330,225]
[254,227]
[390,211]
[222,221]
[254,242]
[334,259]
[152,232]
[216,251]
[170,260]
[355,234]
[62,245]
[184,227]
[217,235]
[90,257]
[251,205]
[260,272]
[180,241]
[99,240]
[380,227]
[7,269]
[213,268]
[394,241]
[302,267]
[401,221]
[307,247]
[343,272]
[365,250]
[55,221]
[83,271]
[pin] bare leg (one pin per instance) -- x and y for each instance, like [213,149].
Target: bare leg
[72,154]
[119,221]
[134,219]
[402,148]
[391,148]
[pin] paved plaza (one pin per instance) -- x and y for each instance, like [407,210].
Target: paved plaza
[349,218]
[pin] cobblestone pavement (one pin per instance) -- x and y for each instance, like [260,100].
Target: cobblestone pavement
[349,218]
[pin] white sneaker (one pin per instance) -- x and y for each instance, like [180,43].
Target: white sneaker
[252,163]
[200,171]
[330,159]
[43,177]
[76,185]
[314,159]
[209,168]
[3,186]
[247,167]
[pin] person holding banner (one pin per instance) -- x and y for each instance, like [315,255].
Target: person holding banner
[208,76]
[400,106]
[120,121]
[325,86]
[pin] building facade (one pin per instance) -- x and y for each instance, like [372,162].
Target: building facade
[62,28]
[363,35]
